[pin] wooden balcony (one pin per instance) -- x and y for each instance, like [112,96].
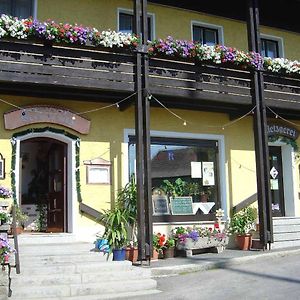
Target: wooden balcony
[103,74]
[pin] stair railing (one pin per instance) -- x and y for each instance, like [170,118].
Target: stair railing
[16,244]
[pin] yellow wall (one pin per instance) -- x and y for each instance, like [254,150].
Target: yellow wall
[102,14]
[107,136]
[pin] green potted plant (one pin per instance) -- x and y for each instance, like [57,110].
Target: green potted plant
[241,223]
[169,247]
[116,222]
[4,217]
[21,218]
[127,199]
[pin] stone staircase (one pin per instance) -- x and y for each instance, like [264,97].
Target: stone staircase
[56,266]
[286,232]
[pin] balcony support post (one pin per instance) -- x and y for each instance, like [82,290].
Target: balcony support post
[260,132]
[142,129]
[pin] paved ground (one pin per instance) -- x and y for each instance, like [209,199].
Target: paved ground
[206,261]
[275,276]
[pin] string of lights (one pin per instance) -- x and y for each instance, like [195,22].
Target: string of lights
[277,116]
[185,122]
[150,97]
[24,109]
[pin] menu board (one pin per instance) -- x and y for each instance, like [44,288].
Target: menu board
[182,205]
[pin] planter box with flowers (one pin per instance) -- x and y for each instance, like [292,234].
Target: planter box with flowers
[189,239]
[193,238]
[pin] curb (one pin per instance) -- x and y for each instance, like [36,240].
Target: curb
[191,268]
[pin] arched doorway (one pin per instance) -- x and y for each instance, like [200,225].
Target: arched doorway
[43,185]
[59,150]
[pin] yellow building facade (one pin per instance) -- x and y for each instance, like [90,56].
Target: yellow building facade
[110,129]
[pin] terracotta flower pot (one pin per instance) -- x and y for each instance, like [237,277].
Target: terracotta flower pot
[169,252]
[244,241]
[132,254]
[154,255]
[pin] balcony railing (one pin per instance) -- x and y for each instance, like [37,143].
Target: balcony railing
[101,71]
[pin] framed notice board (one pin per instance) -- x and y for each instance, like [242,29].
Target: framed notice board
[160,205]
[181,205]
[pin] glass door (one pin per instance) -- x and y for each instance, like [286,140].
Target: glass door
[276,181]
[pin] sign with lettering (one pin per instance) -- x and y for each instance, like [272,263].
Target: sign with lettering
[283,130]
[46,114]
[182,205]
[160,205]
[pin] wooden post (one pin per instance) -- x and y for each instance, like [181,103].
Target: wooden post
[260,131]
[142,128]
[139,140]
[146,136]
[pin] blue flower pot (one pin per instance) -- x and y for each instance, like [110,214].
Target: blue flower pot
[119,254]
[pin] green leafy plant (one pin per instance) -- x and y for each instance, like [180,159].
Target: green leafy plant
[41,221]
[4,217]
[243,221]
[21,218]
[170,242]
[180,188]
[115,222]
[127,200]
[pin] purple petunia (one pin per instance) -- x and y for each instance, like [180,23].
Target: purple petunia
[5,193]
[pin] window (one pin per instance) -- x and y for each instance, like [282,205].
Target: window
[126,23]
[206,36]
[17,8]
[269,48]
[191,165]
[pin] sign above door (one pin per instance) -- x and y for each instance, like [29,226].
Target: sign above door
[46,114]
[282,130]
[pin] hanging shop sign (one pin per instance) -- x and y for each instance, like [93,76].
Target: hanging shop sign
[282,130]
[46,114]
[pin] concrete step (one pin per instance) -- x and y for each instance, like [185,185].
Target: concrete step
[286,244]
[46,238]
[286,221]
[55,291]
[115,295]
[286,228]
[51,249]
[286,236]
[32,260]
[93,267]
[76,278]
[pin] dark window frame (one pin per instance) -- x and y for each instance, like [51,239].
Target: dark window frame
[13,5]
[204,29]
[264,42]
[149,18]
[188,142]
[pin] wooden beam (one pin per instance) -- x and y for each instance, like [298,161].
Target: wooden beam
[260,131]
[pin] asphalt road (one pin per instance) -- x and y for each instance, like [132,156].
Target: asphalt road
[276,278]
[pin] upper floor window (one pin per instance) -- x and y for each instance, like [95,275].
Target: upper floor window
[207,34]
[17,8]
[271,46]
[126,23]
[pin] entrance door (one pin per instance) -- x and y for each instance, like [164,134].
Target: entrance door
[276,181]
[57,188]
